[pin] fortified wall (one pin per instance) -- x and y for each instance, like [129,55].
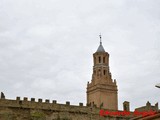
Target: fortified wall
[38,110]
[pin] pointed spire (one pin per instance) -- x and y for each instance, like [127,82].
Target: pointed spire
[100,36]
[100,48]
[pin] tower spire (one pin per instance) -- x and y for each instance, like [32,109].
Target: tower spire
[100,48]
[100,36]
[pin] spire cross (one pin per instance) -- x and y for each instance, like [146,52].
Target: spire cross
[100,39]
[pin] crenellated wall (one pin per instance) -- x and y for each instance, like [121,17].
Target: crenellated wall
[25,109]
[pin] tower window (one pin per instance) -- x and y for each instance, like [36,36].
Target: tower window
[104,72]
[103,59]
[99,59]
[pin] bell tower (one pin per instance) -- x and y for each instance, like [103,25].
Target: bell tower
[102,91]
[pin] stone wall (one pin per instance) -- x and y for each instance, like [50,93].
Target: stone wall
[38,110]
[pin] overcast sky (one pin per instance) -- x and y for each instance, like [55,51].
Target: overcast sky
[46,48]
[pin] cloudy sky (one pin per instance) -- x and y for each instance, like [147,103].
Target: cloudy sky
[46,48]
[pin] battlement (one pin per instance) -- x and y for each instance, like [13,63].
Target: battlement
[45,107]
[35,108]
[39,104]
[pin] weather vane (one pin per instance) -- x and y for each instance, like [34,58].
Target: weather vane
[100,38]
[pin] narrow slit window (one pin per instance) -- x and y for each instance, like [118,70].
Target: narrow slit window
[99,59]
[104,72]
[103,59]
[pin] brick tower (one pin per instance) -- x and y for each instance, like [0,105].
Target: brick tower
[102,91]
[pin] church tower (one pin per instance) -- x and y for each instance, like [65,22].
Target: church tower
[102,91]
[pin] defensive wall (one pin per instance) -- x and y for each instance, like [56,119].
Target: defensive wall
[25,109]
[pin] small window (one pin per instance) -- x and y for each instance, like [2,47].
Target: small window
[99,59]
[104,72]
[103,59]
